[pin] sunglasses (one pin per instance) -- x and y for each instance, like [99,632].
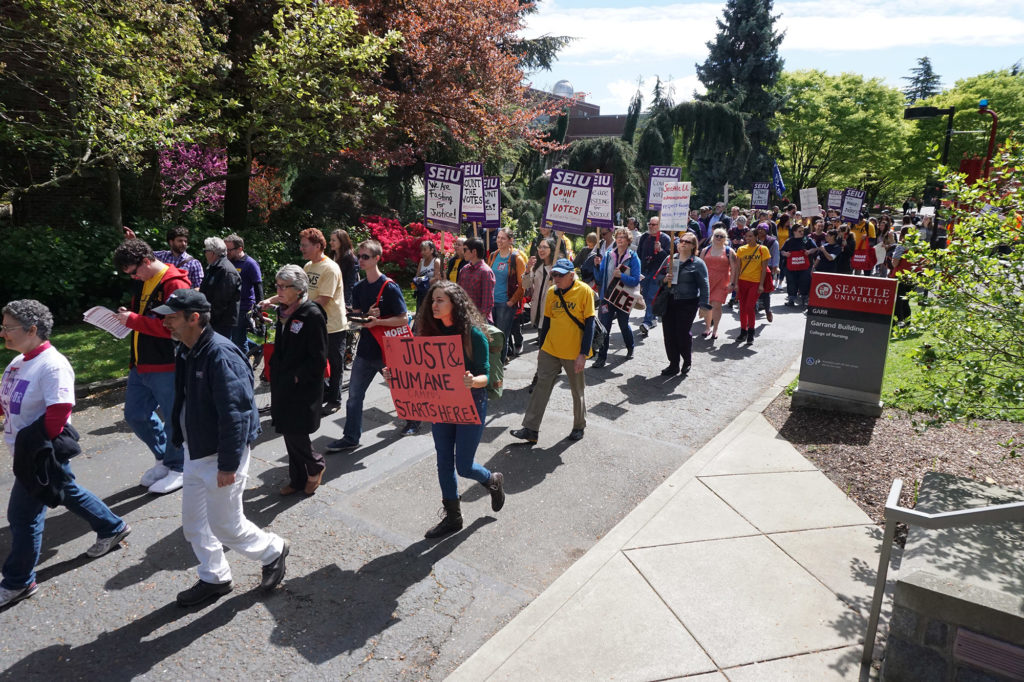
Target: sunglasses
[719,236]
[365,256]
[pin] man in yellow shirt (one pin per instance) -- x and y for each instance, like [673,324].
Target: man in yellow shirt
[566,337]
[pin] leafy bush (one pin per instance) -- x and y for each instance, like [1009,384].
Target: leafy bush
[401,245]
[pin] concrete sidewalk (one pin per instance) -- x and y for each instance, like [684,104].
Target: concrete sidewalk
[747,563]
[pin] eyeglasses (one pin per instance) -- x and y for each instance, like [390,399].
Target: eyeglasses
[132,273]
[7,329]
[365,256]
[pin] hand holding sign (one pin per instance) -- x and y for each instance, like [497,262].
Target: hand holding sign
[429,380]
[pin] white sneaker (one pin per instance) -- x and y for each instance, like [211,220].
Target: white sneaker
[168,484]
[104,545]
[153,474]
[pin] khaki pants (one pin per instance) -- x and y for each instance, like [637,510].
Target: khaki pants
[548,367]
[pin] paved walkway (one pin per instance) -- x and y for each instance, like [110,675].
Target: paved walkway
[746,564]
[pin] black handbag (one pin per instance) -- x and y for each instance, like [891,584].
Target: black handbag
[599,330]
[659,306]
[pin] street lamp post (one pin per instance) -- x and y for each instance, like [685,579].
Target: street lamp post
[983,109]
[915,113]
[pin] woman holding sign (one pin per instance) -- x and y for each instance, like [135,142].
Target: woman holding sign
[449,312]
[622,264]
[686,277]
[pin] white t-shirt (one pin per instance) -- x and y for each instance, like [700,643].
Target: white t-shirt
[29,387]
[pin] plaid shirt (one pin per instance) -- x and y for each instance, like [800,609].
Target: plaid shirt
[478,281]
[192,267]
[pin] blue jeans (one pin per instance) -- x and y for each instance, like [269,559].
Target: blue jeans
[239,334]
[648,288]
[503,316]
[27,514]
[456,446]
[362,373]
[145,392]
[606,317]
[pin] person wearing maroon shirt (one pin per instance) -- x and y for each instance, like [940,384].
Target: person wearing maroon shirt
[478,279]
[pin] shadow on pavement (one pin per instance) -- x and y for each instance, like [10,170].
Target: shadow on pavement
[832,427]
[522,466]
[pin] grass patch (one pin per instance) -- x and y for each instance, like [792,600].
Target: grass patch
[94,354]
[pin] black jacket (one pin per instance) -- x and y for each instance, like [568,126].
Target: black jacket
[297,370]
[213,385]
[38,460]
[223,289]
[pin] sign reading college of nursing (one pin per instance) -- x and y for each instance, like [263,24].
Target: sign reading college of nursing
[472,191]
[599,213]
[568,199]
[492,203]
[846,341]
[443,197]
[659,176]
[760,193]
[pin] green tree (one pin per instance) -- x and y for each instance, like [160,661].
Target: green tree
[632,117]
[741,71]
[839,131]
[609,155]
[974,307]
[922,83]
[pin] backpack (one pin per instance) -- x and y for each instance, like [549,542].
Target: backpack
[496,376]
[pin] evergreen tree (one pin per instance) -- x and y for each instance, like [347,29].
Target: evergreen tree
[923,82]
[632,117]
[741,71]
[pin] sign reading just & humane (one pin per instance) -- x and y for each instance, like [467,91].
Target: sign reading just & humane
[425,378]
[659,176]
[443,197]
[568,199]
[846,341]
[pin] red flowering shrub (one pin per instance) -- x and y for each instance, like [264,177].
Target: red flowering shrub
[401,245]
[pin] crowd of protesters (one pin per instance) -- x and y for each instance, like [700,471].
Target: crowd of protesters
[190,391]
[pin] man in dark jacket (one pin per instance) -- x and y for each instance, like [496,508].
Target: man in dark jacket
[222,287]
[215,419]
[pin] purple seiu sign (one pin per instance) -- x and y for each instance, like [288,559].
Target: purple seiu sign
[853,202]
[567,202]
[472,191]
[492,203]
[835,199]
[659,176]
[602,198]
[760,194]
[442,197]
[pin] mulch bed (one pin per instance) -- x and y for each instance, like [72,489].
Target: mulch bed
[862,455]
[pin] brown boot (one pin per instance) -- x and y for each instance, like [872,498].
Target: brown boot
[495,487]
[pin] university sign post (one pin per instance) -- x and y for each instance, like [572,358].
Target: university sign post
[846,341]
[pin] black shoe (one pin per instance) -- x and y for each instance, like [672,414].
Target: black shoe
[670,371]
[739,339]
[685,368]
[629,354]
[643,331]
[341,445]
[575,434]
[202,592]
[410,428]
[519,348]
[750,337]
[599,363]
[529,435]
[273,573]
[495,486]
[330,407]
[451,522]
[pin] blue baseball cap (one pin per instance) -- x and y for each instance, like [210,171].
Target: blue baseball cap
[563,266]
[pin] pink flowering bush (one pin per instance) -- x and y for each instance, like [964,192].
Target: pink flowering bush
[401,245]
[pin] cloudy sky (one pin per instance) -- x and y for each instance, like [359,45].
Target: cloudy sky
[621,42]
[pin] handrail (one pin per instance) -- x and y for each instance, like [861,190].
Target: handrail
[894,513]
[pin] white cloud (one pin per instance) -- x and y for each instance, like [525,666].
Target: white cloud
[619,93]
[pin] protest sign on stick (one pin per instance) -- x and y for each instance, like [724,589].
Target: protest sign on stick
[425,378]
[492,203]
[443,197]
[568,199]
[599,213]
[760,194]
[853,201]
[809,202]
[659,176]
[835,198]
[675,206]
[472,191]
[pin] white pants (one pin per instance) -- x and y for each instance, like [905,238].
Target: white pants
[212,518]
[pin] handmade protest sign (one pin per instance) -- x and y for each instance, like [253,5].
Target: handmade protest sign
[809,202]
[760,194]
[620,296]
[675,206]
[659,176]
[599,213]
[443,197]
[472,191]
[425,377]
[926,210]
[492,203]
[853,201]
[568,199]
[835,198]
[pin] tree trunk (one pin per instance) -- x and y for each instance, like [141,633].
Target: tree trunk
[236,189]
[114,196]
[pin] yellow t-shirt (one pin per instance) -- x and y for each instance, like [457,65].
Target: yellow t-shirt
[453,275]
[325,280]
[753,260]
[859,231]
[564,336]
[783,234]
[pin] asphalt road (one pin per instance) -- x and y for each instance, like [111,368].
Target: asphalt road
[366,597]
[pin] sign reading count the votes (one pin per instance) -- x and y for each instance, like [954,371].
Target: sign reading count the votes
[846,341]
[443,197]
[472,191]
[425,378]
[659,176]
[568,200]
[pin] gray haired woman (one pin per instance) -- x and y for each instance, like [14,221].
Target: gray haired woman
[297,377]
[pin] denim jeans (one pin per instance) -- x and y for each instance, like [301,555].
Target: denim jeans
[606,317]
[27,515]
[503,316]
[456,446]
[144,393]
[362,373]
[648,288]
[239,334]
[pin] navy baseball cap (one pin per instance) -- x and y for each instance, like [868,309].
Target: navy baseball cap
[184,299]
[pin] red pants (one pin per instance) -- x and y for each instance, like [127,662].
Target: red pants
[747,296]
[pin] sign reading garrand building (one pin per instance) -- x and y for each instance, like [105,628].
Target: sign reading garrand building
[846,341]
